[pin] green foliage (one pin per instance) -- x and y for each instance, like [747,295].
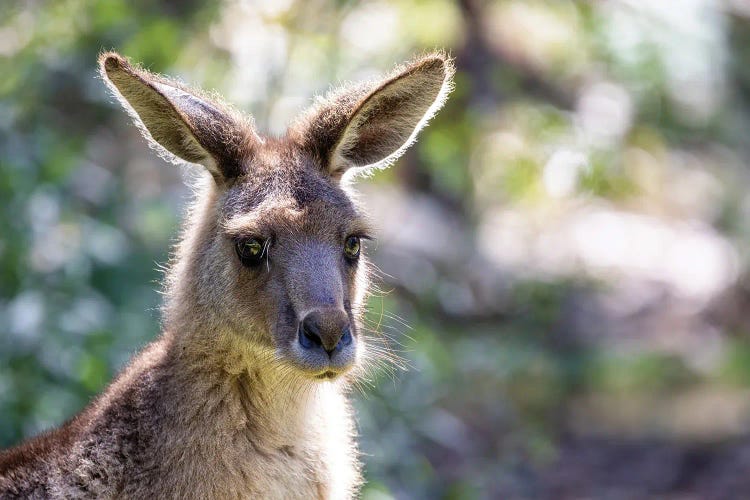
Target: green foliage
[508,353]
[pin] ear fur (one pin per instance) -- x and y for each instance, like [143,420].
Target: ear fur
[179,122]
[370,125]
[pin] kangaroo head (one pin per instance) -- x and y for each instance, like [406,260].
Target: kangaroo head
[273,256]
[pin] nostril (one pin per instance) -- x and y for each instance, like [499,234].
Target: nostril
[309,336]
[346,338]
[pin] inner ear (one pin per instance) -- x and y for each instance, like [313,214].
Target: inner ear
[158,115]
[181,122]
[389,118]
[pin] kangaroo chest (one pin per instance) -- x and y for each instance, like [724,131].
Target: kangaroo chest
[306,452]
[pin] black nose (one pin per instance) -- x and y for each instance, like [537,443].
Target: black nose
[327,330]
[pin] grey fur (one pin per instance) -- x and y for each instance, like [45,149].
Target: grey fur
[226,404]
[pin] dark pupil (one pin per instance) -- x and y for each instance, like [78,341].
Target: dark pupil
[352,245]
[250,251]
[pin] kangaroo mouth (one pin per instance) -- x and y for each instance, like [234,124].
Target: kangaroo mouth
[321,373]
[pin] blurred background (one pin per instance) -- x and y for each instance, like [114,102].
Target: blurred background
[565,251]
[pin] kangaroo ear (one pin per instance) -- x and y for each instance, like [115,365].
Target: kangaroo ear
[177,122]
[371,125]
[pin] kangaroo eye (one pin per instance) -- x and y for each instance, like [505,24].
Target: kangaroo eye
[250,251]
[352,247]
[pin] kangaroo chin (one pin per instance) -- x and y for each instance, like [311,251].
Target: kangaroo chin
[244,395]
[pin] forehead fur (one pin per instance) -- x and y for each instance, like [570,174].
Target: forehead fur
[283,186]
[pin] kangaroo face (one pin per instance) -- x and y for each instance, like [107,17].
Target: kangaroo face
[293,246]
[281,262]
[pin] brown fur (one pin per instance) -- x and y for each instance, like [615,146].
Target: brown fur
[229,403]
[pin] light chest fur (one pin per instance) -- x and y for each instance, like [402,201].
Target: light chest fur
[200,435]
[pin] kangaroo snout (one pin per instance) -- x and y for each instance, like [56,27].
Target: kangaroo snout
[326,329]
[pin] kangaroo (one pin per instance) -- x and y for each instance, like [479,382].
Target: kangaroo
[245,393]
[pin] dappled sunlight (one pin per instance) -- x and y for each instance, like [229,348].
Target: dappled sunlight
[562,258]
